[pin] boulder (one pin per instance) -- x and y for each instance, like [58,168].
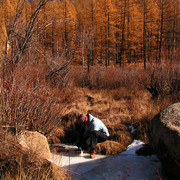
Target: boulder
[164,138]
[34,142]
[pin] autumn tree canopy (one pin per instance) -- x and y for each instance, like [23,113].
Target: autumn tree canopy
[96,32]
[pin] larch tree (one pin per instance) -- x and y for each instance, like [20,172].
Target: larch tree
[149,18]
[171,28]
[87,25]
[82,31]
[60,31]
[121,50]
[90,46]
[104,32]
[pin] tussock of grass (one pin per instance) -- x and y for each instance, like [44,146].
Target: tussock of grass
[109,148]
[123,137]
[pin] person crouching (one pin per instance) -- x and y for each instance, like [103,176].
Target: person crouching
[94,132]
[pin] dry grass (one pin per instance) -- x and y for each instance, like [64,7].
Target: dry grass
[130,108]
[118,109]
[114,106]
[109,148]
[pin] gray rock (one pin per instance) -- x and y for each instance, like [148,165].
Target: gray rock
[34,142]
[164,138]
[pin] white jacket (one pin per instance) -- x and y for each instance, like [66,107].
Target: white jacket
[97,124]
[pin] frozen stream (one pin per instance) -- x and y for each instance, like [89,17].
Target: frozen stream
[126,165]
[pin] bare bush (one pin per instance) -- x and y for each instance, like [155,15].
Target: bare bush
[80,77]
[174,79]
[162,80]
[106,78]
[58,72]
[30,101]
[33,86]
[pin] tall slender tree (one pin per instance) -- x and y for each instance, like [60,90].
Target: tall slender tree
[121,50]
[144,32]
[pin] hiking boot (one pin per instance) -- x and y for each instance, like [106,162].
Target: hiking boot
[93,153]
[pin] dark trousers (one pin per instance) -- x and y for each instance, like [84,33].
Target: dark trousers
[93,138]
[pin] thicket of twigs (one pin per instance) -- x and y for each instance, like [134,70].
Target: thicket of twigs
[31,98]
[161,80]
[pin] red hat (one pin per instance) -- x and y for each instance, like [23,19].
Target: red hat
[83,118]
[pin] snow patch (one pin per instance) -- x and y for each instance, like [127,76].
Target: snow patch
[135,145]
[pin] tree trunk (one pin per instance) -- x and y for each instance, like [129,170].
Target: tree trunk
[144,35]
[161,29]
[122,39]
